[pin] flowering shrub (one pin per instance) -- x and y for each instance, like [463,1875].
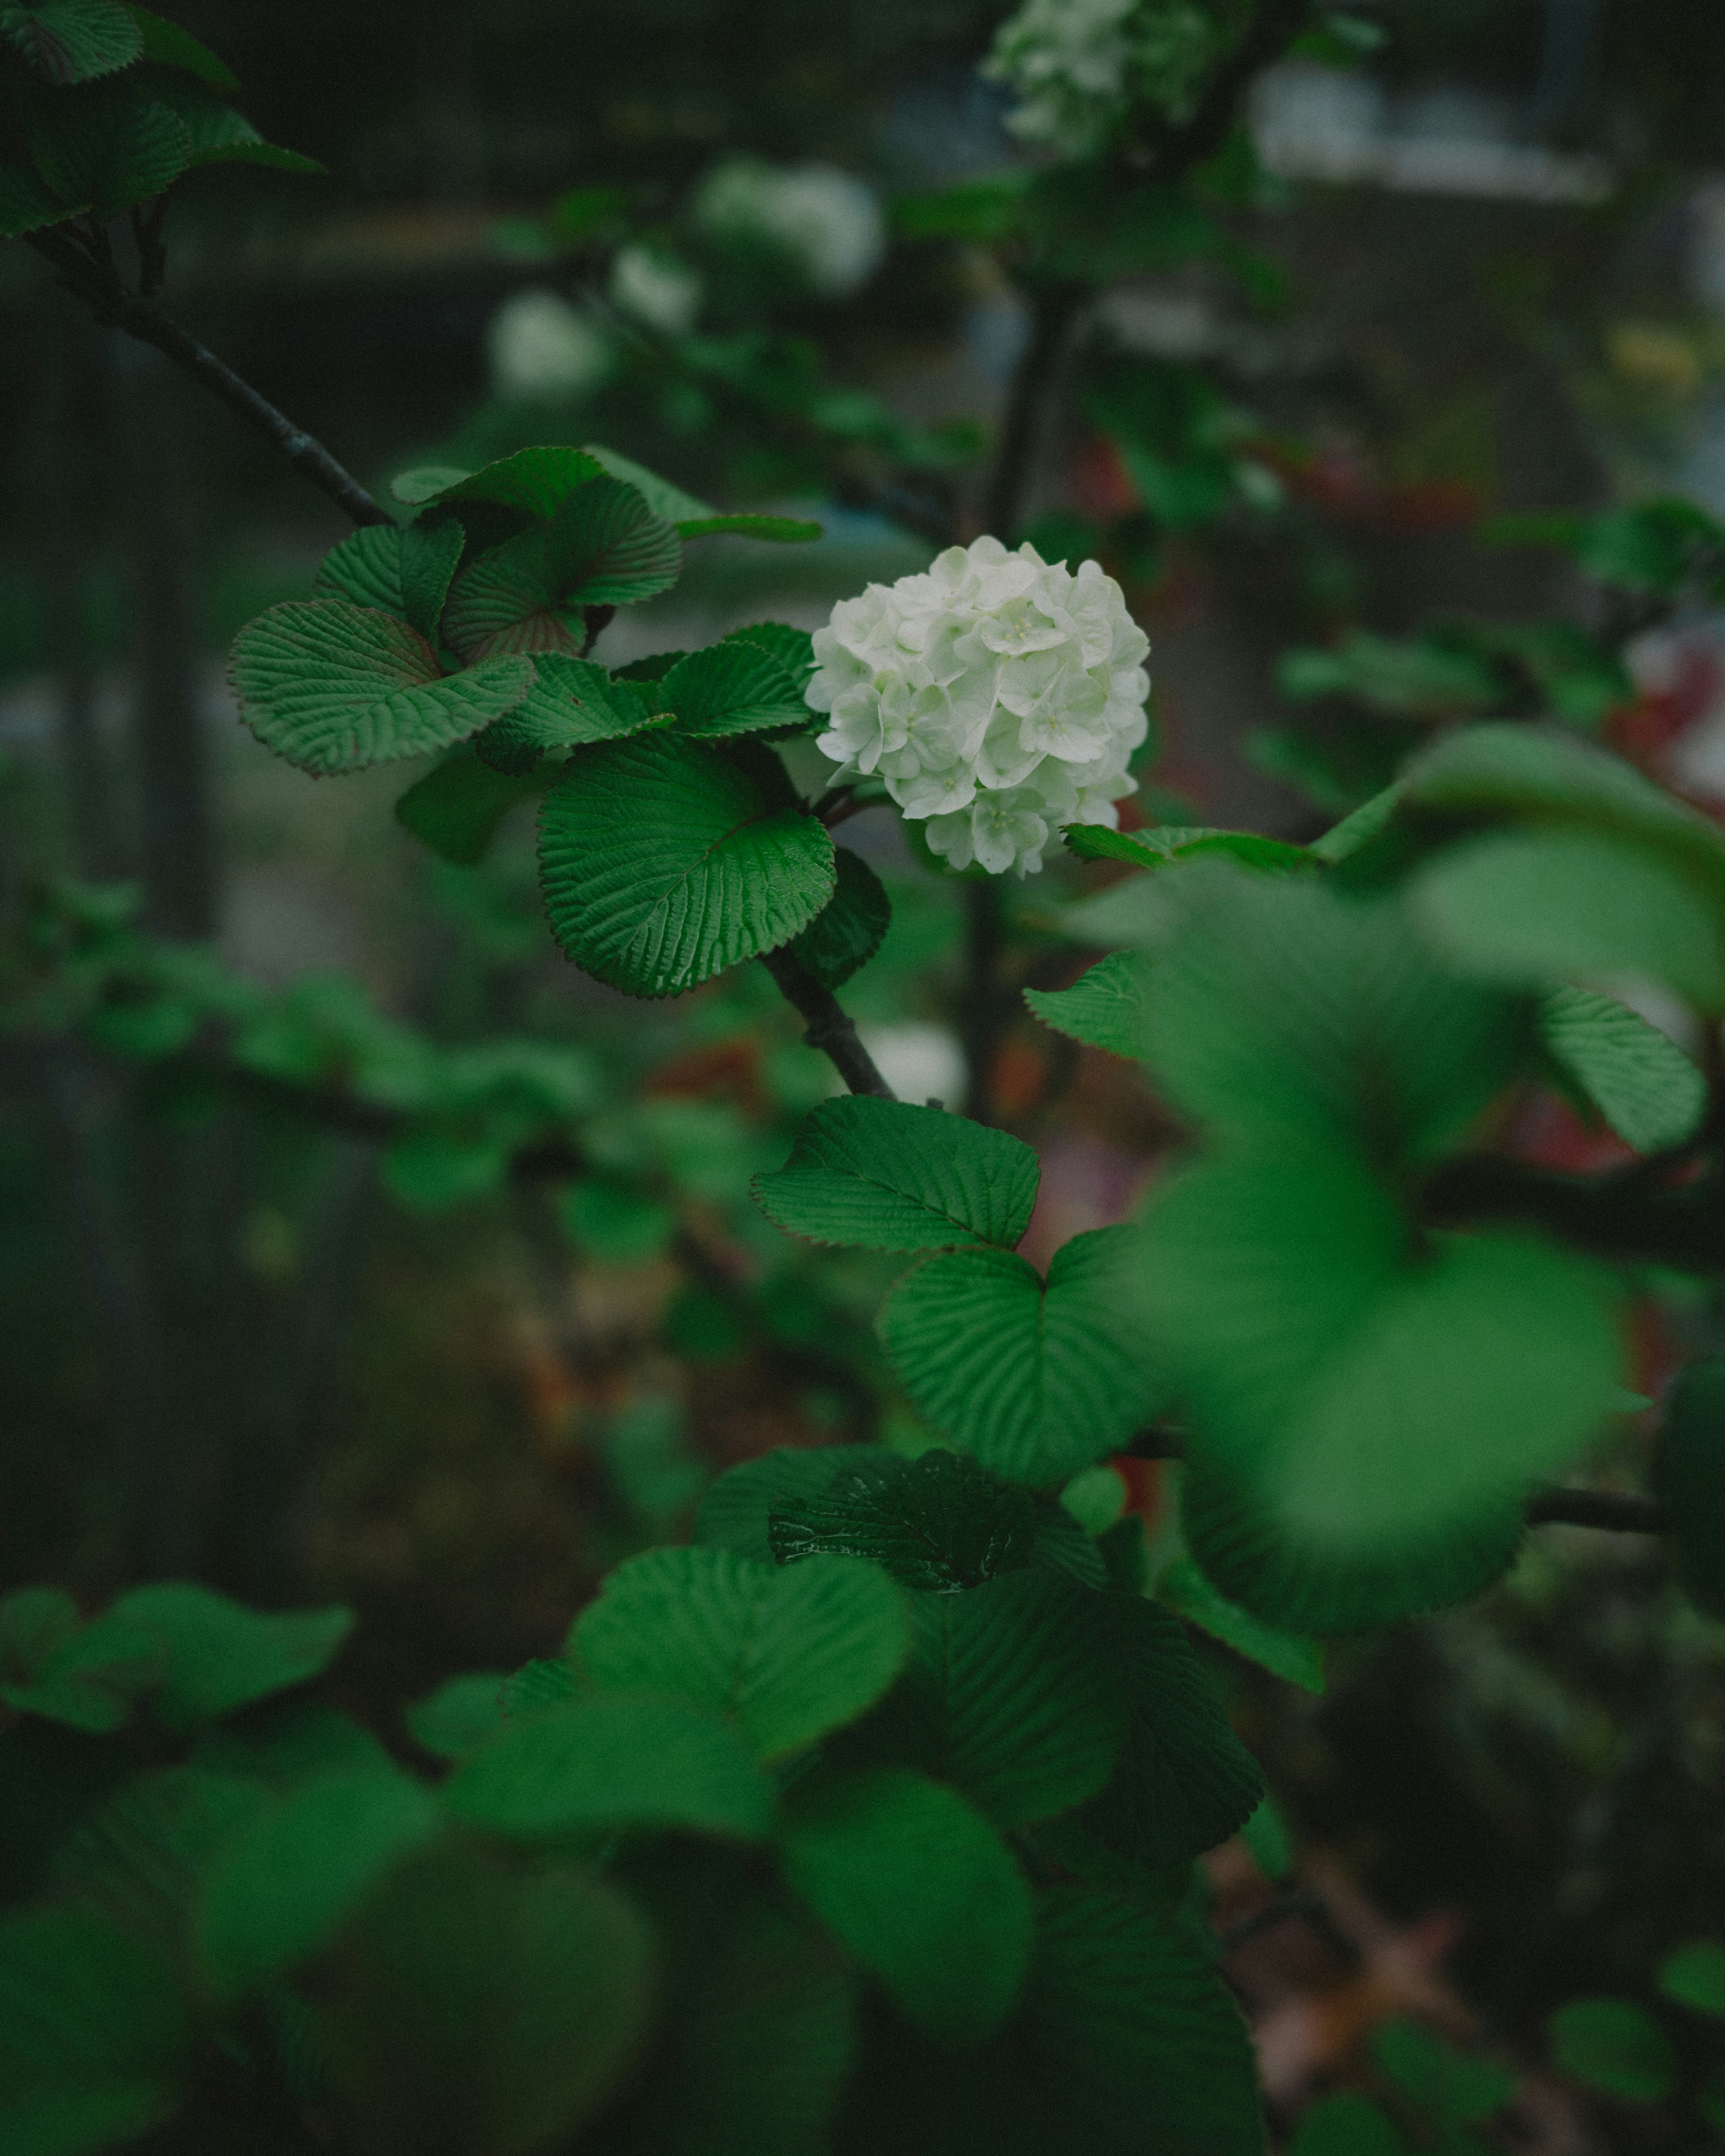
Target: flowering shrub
[1079,66]
[999,696]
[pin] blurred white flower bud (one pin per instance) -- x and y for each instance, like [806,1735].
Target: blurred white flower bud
[1078,66]
[655,290]
[997,696]
[539,346]
[826,223]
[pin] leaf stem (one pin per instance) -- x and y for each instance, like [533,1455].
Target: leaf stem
[831,1029]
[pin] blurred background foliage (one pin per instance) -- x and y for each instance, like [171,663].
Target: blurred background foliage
[449,1350]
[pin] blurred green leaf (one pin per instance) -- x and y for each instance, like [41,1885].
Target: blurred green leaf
[1190,1592]
[456,808]
[1613,2046]
[1694,1976]
[220,1655]
[458,1716]
[1641,1081]
[72,41]
[1345,2125]
[1449,2086]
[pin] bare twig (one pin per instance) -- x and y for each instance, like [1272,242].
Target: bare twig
[831,1029]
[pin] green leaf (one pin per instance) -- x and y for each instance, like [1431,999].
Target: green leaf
[664,862]
[547,1681]
[1641,1081]
[1525,909]
[1266,1837]
[785,1655]
[1144,2042]
[603,546]
[614,1761]
[221,1655]
[477,2007]
[69,41]
[26,205]
[1171,843]
[850,929]
[883,1175]
[140,1857]
[1613,2046]
[1105,1008]
[94,2033]
[456,808]
[1449,2088]
[938,1522]
[572,701]
[334,687]
[920,1889]
[611,1221]
[1189,1592]
[1011,1694]
[285,1885]
[661,496]
[1346,2125]
[1689,1478]
[401,570]
[537,482]
[1694,1976]
[91,1678]
[735,1513]
[168,45]
[458,1716]
[1424,677]
[34,1621]
[111,152]
[1543,776]
[287,1741]
[732,689]
[1037,1380]
[1184,1782]
[784,531]
[1288,1011]
[793,648]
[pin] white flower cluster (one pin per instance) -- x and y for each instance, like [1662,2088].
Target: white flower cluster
[999,696]
[826,223]
[1078,65]
[655,289]
[540,346]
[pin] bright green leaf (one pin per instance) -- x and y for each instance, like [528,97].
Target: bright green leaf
[401,569]
[921,1891]
[664,862]
[1037,1379]
[1105,1008]
[732,689]
[883,1175]
[614,1761]
[786,1654]
[335,687]
[1266,1837]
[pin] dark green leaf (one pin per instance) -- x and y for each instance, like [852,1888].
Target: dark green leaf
[790,531]
[537,482]
[663,862]
[736,1510]
[92,1678]
[401,570]
[1694,1976]
[1037,1381]
[168,45]
[732,689]
[477,2007]
[1189,1592]
[1614,2045]
[287,1741]
[850,929]
[220,1655]
[1449,2088]
[793,648]
[109,150]
[1180,842]
[661,496]
[1641,1081]
[938,1522]
[1149,2047]
[921,1891]
[94,2033]
[614,1761]
[1013,1695]
[883,1175]
[1689,1475]
[1346,2125]
[785,1655]
[603,546]
[142,1857]
[572,701]
[456,808]
[286,1883]
[71,41]
[26,205]
[1184,1781]
[334,687]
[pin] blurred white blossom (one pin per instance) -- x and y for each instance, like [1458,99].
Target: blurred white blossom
[826,223]
[540,346]
[1079,66]
[999,697]
[655,290]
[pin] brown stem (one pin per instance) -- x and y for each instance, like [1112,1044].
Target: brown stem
[831,1029]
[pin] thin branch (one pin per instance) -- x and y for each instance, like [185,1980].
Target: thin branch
[1053,309]
[831,1029]
[1617,1511]
[89,271]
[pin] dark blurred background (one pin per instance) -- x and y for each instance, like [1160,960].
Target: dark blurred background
[1486,273]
